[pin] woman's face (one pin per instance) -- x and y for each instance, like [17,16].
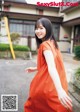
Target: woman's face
[40,31]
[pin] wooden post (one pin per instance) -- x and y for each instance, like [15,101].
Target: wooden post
[9,39]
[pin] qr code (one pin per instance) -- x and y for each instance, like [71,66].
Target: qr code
[9,102]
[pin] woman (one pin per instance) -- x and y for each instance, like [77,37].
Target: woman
[49,89]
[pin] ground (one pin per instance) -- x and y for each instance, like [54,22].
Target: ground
[14,79]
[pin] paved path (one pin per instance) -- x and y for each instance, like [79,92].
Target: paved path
[71,65]
[14,79]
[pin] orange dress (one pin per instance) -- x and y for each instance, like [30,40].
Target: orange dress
[43,95]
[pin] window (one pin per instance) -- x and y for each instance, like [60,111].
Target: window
[56,29]
[24,28]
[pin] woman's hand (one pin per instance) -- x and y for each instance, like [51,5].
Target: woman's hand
[31,69]
[65,99]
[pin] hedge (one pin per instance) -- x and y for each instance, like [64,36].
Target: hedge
[77,52]
[6,47]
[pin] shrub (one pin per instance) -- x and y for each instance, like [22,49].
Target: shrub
[77,52]
[6,47]
[0,35]
[77,79]
[77,73]
[21,48]
[15,37]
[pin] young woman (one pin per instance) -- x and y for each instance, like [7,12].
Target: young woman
[49,89]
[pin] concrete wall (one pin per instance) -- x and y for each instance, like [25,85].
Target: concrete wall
[33,11]
[23,41]
[72,14]
[64,46]
[4,40]
[33,43]
[23,10]
[3,29]
[65,31]
[50,13]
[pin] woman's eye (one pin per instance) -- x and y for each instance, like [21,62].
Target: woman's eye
[41,28]
[36,29]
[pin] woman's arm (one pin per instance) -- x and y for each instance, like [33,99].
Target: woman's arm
[63,97]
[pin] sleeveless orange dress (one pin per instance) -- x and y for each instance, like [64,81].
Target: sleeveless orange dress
[43,95]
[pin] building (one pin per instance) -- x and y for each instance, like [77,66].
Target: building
[22,18]
[71,22]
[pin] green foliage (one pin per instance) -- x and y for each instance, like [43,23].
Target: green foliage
[0,35]
[14,36]
[6,47]
[77,79]
[77,52]
[77,73]
[21,48]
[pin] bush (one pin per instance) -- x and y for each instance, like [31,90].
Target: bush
[77,52]
[14,36]
[0,35]
[77,79]
[77,73]
[21,48]
[6,47]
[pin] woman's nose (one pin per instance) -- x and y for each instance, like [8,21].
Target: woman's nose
[37,31]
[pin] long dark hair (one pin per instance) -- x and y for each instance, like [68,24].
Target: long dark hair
[49,32]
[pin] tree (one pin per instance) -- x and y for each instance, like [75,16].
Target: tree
[15,37]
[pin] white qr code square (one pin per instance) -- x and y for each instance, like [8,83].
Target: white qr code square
[9,102]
